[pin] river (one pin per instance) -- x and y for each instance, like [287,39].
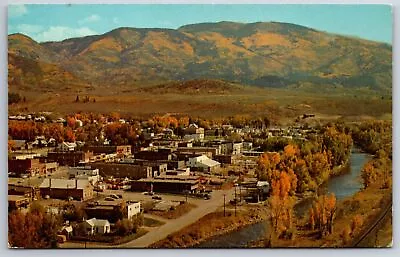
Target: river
[344,185]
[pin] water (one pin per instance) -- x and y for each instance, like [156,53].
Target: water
[349,183]
[342,186]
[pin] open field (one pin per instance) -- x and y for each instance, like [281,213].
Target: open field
[278,104]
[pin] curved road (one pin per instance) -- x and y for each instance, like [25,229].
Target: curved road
[174,225]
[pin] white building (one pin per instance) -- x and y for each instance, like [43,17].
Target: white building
[87,173]
[203,163]
[133,208]
[79,123]
[67,147]
[96,226]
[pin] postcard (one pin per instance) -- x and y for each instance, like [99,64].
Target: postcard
[199,126]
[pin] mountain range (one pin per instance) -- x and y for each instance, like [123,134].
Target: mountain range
[266,54]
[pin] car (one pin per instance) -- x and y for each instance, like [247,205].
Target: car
[156,197]
[114,196]
[109,199]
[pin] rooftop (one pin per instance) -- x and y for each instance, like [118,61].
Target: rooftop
[65,183]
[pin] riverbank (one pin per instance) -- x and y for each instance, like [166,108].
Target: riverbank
[212,225]
[367,204]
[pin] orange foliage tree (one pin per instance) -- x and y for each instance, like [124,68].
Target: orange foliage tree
[322,214]
[35,229]
[281,206]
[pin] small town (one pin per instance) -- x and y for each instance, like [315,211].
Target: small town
[199,126]
[134,182]
[96,184]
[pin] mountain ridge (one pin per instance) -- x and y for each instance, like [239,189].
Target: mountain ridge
[269,54]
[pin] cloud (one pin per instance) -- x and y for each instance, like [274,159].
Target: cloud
[58,33]
[91,18]
[17,10]
[29,28]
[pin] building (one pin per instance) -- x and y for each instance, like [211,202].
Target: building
[96,226]
[124,150]
[30,192]
[123,170]
[66,188]
[178,172]
[225,159]
[193,132]
[66,147]
[67,231]
[86,172]
[247,145]
[161,154]
[236,148]
[16,202]
[18,145]
[209,151]
[167,184]
[69,158]
[159,165]
[203,163]
[112,210]
[30,167]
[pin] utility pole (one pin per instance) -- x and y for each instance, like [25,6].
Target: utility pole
[240,192]
[235,202]
[224,205]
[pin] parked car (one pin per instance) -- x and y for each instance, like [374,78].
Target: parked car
[114,196]
[156,197]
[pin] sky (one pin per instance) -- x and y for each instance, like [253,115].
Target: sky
[46,22]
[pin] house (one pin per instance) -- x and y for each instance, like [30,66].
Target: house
[79,123]
[193,132]
[168,132]
[67,147]
[66,231]
[96,226]
[66,188]
[52,142]
[203,163]
[18,145]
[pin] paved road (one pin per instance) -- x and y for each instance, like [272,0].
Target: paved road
[171,226]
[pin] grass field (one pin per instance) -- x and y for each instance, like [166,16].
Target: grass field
[278,104]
